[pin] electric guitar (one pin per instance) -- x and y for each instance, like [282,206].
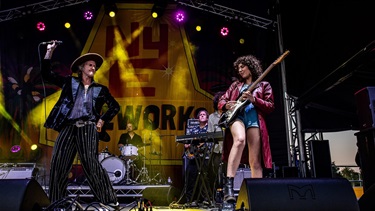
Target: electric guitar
[228,117]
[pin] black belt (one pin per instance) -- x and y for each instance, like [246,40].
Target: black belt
[81,123]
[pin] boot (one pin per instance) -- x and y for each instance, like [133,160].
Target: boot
[229,191]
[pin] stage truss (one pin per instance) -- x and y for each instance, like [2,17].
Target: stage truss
[133,191]
[36,8]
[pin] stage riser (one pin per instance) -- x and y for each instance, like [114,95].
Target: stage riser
[121,191]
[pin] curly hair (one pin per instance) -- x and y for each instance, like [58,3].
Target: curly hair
[252,63]
[216,99]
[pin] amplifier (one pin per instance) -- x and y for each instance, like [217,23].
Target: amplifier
[17,171]
[241,174]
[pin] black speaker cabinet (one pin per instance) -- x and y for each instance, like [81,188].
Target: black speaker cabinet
[162,195]
[366,150]
[320,157]
[365,100]
[297,194]
[367,202]
[22,194]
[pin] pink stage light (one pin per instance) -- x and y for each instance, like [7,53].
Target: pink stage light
[224,31]
[40,26]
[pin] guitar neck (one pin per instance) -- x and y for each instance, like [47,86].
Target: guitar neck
[255,83]
[278,60]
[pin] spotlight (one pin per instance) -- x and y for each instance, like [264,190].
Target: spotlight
[198,28]
[35,153]
[242,41]
[40,26]
[154,14]
[67,25]
[224,31]
[88,15]
[158,8]
[34,147]
[110,9]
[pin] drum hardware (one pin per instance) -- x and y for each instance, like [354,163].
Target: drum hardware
[143,176]
[129,181]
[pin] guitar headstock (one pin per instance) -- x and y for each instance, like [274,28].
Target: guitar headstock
[278,60]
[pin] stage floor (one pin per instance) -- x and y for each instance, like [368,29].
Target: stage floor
[133,197]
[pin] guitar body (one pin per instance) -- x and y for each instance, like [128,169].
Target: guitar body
[228,117]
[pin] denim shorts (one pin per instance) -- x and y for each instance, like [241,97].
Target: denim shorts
[249,117]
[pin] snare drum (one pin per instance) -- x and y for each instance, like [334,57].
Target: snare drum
[115,168]
[129,152]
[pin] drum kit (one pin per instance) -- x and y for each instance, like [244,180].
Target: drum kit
[123,169]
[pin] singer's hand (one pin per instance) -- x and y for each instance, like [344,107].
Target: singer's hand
[50,48]
[99,125]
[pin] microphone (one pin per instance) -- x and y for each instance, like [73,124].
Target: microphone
[51,42]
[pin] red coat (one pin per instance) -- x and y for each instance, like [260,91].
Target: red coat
[264,104]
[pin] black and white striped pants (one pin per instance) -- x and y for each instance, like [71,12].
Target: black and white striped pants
[84,140]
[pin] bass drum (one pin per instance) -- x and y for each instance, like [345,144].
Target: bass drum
[115,168]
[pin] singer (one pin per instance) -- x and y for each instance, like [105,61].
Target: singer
[78,118]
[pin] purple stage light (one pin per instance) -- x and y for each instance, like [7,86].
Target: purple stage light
[180,16]
[15,148]
[88,15]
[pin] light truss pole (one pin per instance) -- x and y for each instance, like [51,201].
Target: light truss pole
[43,6]
[230,13]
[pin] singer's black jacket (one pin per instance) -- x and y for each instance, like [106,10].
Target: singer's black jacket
[57,119]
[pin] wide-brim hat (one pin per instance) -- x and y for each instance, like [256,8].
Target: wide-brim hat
[87,57]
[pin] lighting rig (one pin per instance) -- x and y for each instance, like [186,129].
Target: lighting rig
[36,8]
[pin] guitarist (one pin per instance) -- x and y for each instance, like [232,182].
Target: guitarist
[247,140]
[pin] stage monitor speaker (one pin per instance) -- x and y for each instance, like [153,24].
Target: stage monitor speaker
[320,156]
[367,202]
[365,100]
[22,194]
[161,196]
[297,194]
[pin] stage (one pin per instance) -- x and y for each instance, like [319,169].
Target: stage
[133,197]
[122,191]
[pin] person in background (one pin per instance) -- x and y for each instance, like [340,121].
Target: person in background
[78,118]
[247,139]
[129,144]
[213,127]
[191,153]
[130,137]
